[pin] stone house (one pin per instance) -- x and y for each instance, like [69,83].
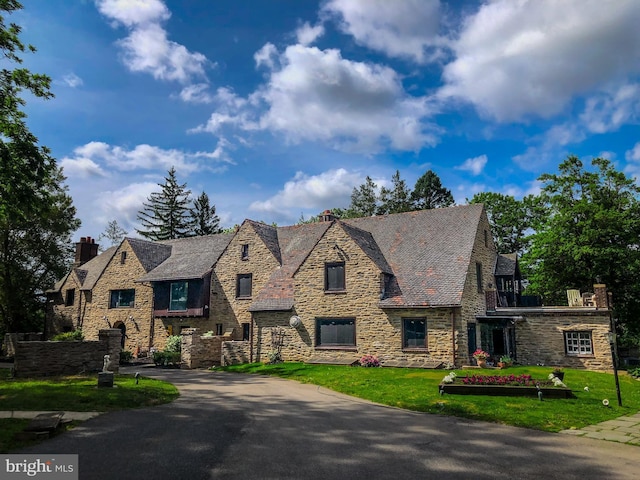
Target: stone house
[414,289]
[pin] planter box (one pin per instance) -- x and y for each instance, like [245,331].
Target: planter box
[504,390]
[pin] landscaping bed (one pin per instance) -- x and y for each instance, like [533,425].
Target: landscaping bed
[523,385]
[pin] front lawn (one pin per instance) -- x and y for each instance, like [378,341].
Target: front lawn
[415,389]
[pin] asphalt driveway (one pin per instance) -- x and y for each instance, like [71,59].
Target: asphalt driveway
[252,427]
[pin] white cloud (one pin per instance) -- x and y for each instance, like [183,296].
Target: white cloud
[124,203]
[317,95]
[532,57]
[81,167]
[306,34]
[266,56]
[72,80]
[633,155]
[196,93]
[399,28]
[474,165]
[147,48]
[317,192]
[609,110]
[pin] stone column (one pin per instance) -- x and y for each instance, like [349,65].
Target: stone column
[491,299]
[110,345]
[187,345]
[602,299]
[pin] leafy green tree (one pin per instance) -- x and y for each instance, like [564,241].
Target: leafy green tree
[364,201]
[114,233]
[37,216]
[204,218]
[166,214]
[429,193]
[590,234]
[511,220]
[397,199]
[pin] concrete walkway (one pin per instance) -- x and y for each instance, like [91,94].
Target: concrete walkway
[622,429]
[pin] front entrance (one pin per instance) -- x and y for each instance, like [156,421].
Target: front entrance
[123,330]
[498,337]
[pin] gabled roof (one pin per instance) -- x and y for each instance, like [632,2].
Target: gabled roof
[149,254]
[269,235]
[89,273]
[429,252]
[506,264]
[368,245]
[190,258]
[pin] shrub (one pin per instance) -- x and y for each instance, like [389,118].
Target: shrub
[75,336]
[635,372]
[165,359]
[174,343]
[369,361]
[125,356]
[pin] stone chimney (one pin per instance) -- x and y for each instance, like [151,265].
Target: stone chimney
[491,296]
[327,216]
[602,297]
[86,249]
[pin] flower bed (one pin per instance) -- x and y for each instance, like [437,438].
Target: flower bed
[503,385]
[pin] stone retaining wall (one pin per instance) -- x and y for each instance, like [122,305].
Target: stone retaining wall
[200,352]
[12,339]
[235,353]
[44,359]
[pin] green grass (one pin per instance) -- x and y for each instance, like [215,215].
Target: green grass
[73,393]
[417,390]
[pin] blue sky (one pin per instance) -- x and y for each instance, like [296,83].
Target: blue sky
[278,108]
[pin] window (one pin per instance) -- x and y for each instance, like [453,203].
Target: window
[244,252]
[178,297]
[123,257]
[486,238]
[246,331]
[479,277]
[578,343]
[218,329]
[243,287]
[335,332]
[70,297]
[334,277]
[414,333]
[122,298]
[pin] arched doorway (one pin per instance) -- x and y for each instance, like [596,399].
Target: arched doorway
[123,330]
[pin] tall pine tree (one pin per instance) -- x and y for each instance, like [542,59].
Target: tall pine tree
[166,214]
[204,218]
[396,199]
[36,213]
[429,193]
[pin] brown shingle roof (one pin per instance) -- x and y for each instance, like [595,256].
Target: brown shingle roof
[150,254]
[506,264]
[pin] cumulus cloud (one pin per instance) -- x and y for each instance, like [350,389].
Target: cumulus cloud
[532,57]
[147,48]
[124,203]
[81,167]
[474,165]
[399,28]
[609,110]
[196,93]
[633,155]
[316,95]
[312,192]
[307,34]
[72,80]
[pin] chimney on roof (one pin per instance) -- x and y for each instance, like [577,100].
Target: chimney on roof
[327,216]
[86,249]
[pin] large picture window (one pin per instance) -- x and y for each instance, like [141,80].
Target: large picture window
[178,297]
[335,332]
[334,276]
[414,333]
[243,287]
[578,343]
[122,298]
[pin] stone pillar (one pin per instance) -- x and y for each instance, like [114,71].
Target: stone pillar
[110,345]
[189,341]
[491,298]
[602,299]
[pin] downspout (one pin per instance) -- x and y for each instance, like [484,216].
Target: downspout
[251,340]
[453,336]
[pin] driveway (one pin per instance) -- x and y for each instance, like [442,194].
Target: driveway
[252,427]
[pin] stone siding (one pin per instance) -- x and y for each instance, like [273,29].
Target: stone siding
[44,359]
[62,317]
[540,338]
[11,341]
[226,307]
[236,352]
[200,352]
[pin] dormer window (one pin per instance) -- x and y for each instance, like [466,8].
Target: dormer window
[244,252]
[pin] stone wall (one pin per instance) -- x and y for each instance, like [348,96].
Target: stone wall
[234,353]
[44,359]
[12,339]
[540,337]
[201,352]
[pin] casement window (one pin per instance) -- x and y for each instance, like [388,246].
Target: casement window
[414,333]
[122,298]
[178,296]
[243,285]
[334,277]
[335,332]
[244,252]
[479,277]
[218,328]
[246,331]
[578,343]
[123,258]
[70,297]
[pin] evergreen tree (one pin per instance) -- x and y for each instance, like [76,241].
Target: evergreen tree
[114,233]
[36,213]
[364,202]
[397,199]
[166,214]
[429,193]
[204,218]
